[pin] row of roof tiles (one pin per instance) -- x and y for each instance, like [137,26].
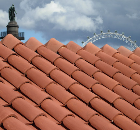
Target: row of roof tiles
[89,74]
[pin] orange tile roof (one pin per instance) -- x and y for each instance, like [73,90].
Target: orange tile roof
[61,87]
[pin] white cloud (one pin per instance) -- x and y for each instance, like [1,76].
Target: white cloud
[3,18]
[133,16]
[64,15]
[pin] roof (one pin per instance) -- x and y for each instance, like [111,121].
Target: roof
[61,87]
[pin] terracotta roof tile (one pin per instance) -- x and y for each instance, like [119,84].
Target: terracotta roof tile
[69,55]
[124,51]
[128,95]
[48,54]
[59,93]
[25,52]
[54,86]
[75,124]
[19,116]
[127,109]
[136,89]
[10,41]
[34,46]
[105,93]
[43,65]
[136,78]
[54,45]
[104,108]
[81,109]
[137,103]
[84,79]
[123,59]
[34,93]
[137,51]
[73,46]
[5,113]
[101,124]
[105,80]
[104,67]
[125,123]
[56,111]
[19,63]
[109,50]
[26,109]
[5,52]
[13,123]
[57,75]
[44,123]
[135,58]
[10,75]
[8,94]
[125,81]
[82,93]
[3,65]
[91,48]
[124,69]
[3,103]
[88,56]
[106,58]
[39,78]
[135,67]
[86,67]
[65,66]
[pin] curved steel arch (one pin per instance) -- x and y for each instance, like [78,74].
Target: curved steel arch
[111,35]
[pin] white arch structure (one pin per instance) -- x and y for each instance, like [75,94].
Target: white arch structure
[111,35]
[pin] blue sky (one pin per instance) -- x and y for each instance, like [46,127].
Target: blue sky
[74,20]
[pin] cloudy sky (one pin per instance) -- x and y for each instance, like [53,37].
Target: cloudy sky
[74,20]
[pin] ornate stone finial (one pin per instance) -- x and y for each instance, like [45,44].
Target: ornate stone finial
[12,13]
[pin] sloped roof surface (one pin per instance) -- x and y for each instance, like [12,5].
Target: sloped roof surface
[62,87]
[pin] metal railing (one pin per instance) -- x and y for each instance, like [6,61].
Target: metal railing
[3,34]
[21,34]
